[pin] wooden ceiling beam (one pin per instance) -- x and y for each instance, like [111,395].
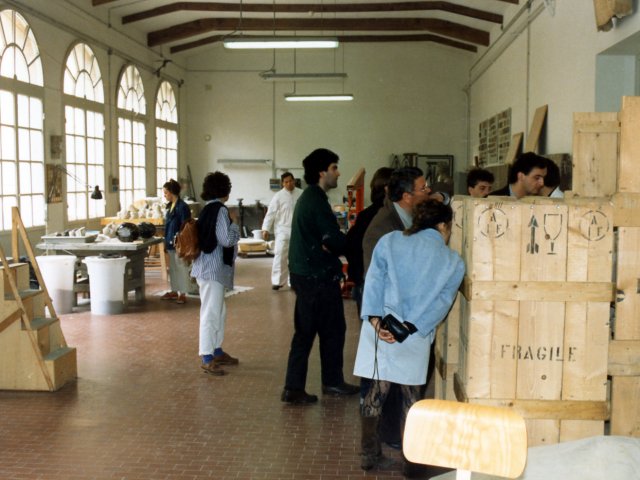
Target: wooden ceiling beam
[313,9]
[346,39]
[432,25]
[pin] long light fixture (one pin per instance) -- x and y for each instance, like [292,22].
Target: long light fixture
[340,97]
[280,42]
[298,77]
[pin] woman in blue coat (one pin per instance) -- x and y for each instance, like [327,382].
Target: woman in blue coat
[177,213]
[413,277]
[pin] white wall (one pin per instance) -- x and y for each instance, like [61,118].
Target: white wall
[408,98]
[549,60]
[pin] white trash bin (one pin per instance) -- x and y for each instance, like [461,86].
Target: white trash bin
[57,273]
[106,284]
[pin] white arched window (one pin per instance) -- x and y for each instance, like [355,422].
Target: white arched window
[21,123]
[166,135]
[84,132]
[132,109]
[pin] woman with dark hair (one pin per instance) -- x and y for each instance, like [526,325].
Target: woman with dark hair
[354,253]
[177,213]
[412,279]
[218,238]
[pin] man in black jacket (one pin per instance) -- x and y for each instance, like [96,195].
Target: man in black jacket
[526,176]
[315,272]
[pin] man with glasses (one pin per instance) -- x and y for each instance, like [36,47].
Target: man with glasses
[407,187]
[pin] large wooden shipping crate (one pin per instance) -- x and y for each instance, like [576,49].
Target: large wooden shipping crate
[534,323]
[606,147]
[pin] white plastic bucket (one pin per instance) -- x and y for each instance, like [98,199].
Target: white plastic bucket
[257,234]
[57,273]
[106,284]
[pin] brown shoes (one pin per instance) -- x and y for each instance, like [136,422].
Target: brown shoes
[225,359]
[213,368]
[181,299]
[169,296]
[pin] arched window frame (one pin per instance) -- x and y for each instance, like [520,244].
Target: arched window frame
[84,132]
[166,135]
[22,181]
[131,111]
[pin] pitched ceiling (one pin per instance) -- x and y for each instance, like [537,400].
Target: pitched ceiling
[183,27]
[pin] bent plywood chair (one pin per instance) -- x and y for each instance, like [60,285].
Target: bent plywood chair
[467,437]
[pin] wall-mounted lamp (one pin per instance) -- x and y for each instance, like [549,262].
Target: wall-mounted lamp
[280,42]
[343,97]
[54,180]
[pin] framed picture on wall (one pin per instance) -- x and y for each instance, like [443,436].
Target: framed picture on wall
[53,184]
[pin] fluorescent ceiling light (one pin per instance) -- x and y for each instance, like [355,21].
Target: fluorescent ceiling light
[343,97]
[280,42]
[297,77]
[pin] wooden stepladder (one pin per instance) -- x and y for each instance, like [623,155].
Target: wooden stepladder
[33,352]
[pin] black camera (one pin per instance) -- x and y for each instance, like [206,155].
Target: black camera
[399,330]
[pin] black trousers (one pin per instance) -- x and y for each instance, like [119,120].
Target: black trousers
[318,311]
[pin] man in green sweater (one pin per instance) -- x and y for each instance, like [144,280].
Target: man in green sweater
[315,272]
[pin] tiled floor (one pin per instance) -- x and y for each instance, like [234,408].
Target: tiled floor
[142,408]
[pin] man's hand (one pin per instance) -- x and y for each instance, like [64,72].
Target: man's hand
[265,235]
[382,333]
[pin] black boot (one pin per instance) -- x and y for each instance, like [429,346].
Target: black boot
[371,451]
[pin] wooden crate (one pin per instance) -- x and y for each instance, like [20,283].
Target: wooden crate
[596,139]
[448,332]
[534,326]
[624,348]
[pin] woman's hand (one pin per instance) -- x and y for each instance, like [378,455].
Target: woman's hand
[382,333]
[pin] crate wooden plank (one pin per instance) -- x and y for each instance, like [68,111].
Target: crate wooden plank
[629,174]
[595,153]
[492,237]
[449,340]
[624,358]
[477,348]
[627,324]
[590,240]
[625,392]
[584,376]
[488,363]
[543,432]
[504,363]
[625,416]
[590,248]
[541,324]
[491,241]
[551,409]
[626,209]
[540,350]
[576,429]
[557,291]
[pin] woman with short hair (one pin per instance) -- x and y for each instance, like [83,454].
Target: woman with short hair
[218,237]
